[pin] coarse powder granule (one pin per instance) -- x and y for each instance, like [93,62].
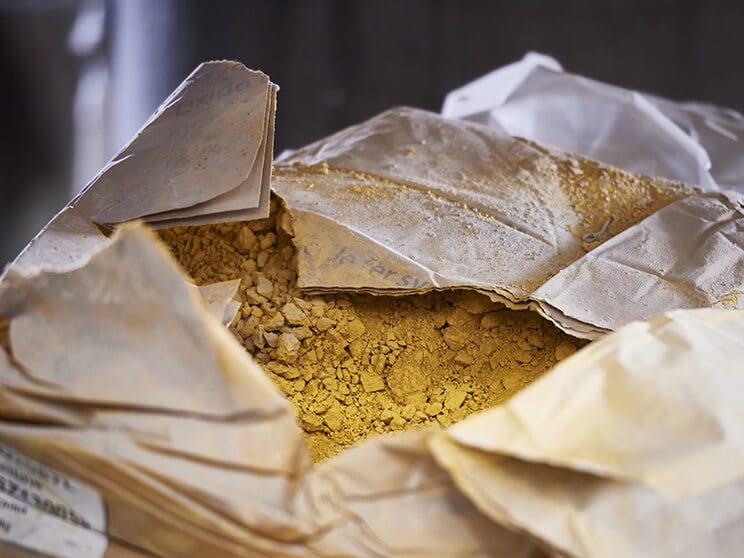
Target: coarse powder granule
[354,364]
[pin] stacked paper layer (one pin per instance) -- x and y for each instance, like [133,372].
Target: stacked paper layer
[203,157]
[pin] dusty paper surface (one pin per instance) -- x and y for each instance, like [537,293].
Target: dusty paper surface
[204,155]
[410,201]
[637,132]
[629,448]
[689,254]
[142,394]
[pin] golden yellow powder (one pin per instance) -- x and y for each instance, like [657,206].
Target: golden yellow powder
[354,365]
[608,200]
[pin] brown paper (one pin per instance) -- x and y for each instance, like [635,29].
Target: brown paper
[140,392]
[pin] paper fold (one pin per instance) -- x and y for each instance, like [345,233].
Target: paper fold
[205,154]
[630,447]
[410,201]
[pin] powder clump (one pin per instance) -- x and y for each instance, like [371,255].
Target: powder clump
[353,365]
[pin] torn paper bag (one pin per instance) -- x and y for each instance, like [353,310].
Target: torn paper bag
[139,393]
[409,201]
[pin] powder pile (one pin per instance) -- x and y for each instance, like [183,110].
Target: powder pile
[353,364]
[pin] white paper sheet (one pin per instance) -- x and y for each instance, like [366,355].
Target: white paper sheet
[637,132]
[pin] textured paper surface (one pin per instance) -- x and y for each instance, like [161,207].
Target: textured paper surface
[141,393]
[630,448]
[535,99]
[689,254]
[205,154]
[410,201]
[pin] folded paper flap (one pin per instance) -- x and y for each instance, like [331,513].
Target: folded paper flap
[251,190]
[579,515]
[319,268]
[463,186]
[634,406]
[201,143]
[130,315]
[689,254]
[373,511]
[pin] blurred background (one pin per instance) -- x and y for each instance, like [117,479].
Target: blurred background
[79,77]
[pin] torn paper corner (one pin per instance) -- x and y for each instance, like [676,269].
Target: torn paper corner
[205,152]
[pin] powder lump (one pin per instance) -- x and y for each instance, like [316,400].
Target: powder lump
[354,365]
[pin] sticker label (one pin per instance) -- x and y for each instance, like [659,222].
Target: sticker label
[46,512]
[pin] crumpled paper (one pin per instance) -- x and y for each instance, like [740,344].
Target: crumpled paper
[632,447]
[641,133]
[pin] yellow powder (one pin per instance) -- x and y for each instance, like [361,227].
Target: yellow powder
[608,200]
[354,365]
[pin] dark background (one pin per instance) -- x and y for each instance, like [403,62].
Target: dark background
[337,62]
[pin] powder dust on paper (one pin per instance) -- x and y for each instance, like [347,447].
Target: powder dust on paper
[608,200]
[354,364]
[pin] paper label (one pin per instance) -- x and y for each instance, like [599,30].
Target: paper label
[46,512]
